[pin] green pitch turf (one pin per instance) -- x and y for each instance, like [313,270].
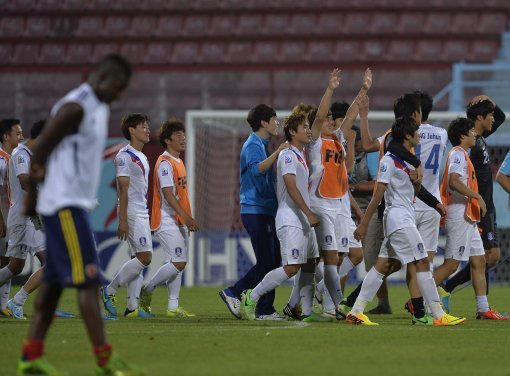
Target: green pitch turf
[215,343]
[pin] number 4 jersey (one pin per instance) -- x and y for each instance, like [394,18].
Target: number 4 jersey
[430,150]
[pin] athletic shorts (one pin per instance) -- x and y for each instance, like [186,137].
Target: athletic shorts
[139,236]
[427,222]
[174,240]
[462,240]
[71,255]
[489,230]
[297,245]
[404,245]
[330,232]
[347,235]
[24,240]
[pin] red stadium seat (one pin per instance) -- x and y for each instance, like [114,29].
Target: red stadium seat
[492,23]
[52,53]
[437,23]
[464,23]
[320,52]
[102,4]
[158,53]
[5,53]
[274,24]
[410,22]
[266,52]
[102,49]
[454,51]
[356,23]
[238,52]
[292,52]
[143,26]
[249,24]
[79,53]
[484,51]
[37,26]
[213,52]
[116,26]
[329,23]
[90,26]
[195,25]
[302,24]
[222,25]
[57,4]
[185,53]
[383,23]
[375,50]
[348,51]
[401,51]
[169,26]
[428,51]
[12,26]
[25,53]
[134,52]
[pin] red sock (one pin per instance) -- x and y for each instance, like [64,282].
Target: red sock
[32,349]
[103,354]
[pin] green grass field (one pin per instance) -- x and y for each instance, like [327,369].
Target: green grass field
[215,343]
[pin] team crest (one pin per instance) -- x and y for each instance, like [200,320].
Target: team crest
[420,247]
[143,240]
[383,167]
[164,172]
[288,159]
[178,251]
[461,250]
[328,239]
[456,160]
[345,242]
[295,253]
[122,162]
[21,159]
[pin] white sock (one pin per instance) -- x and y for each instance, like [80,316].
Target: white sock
[128,272]
[5,290]
[5,275]
[134,287]
[332,282]
[306,292]
[166,272]
[294,295]
[21,297]
[429,291]
[482,305]
[373,280]
[174,288]
[345,268]
[328,303]
[271,280]
[319,272]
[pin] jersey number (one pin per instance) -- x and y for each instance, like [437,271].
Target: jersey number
[432,162]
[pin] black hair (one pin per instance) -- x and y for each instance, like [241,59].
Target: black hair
[406,105]
[426,104]
[339,109]
[37,128]
[6,126]
[459,127]
[482,109]
[292,122]
[402,127]
[168,128]
[114,64]
[261,112]
[131,121]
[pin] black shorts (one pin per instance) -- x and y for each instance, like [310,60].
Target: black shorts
[489,230]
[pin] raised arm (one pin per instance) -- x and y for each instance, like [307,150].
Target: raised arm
[353,110]
[367,142]
[322,112]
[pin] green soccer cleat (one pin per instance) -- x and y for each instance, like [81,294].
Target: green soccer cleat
[137,313]
[145,299]
[425,320]
[39,366]
[342,310]
[118,367]
[248,306]
[179,312]
[315,317]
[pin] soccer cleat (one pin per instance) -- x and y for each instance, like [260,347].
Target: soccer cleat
[118,367]
[342,310]
[491,315]
[247,305]
[271,317]
[5,313]
[318,301]
[232,302]
[145,299]
[137,313]
[408,306]
[63,314]
[448,320]
[292,312]
[425,320]
[359,319]
[108,302]
[315,317]
[179,312]
[107,317]
[16,310]
[39,366]
[445,298]
[331,313]
[381,310]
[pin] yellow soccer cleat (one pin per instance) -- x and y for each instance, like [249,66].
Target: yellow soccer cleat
[448,320]
[359,319]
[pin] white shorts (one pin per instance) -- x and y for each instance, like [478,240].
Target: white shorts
[25,239]
[427,222]
[139,236]
[330,233]
[174,240]
[297,245]
[404,245]
[347,235]
[462,240]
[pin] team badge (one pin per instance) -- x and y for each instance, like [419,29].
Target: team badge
[143,240]
[328,239]
[178,251]
[164,172]
[21,159]
[295,253]
[456,160]
[288,159]
[383,167]
[461,250]
[345,242]
[122,162]
[420,247]
[490,236]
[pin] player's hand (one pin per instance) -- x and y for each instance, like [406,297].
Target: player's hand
[483,207]
[363,102]
[478,99]
[334,79]
[361,231]
[122,231]
[313,220]
[367,80]
[441,210]
[191,224]
[283,146]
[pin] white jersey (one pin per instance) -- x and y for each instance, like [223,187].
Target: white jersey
[457,164]
[399,195]
[291,161]
[19,164]
[430,150]
[134,164]
[166,180]
[74,167]
[4,198]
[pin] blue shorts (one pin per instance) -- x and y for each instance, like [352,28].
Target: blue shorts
[70,248]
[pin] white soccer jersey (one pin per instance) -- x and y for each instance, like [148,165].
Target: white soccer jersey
[430,150]
[457,164]
[74,167]
[134,164]
[166,180]
[19,164]
[399,195]
[291,161]
[4,199]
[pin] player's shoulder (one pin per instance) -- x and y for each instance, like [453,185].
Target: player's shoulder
[286,156]
[457,156]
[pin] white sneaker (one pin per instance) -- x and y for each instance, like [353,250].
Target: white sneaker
[272,317]
[233,304]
